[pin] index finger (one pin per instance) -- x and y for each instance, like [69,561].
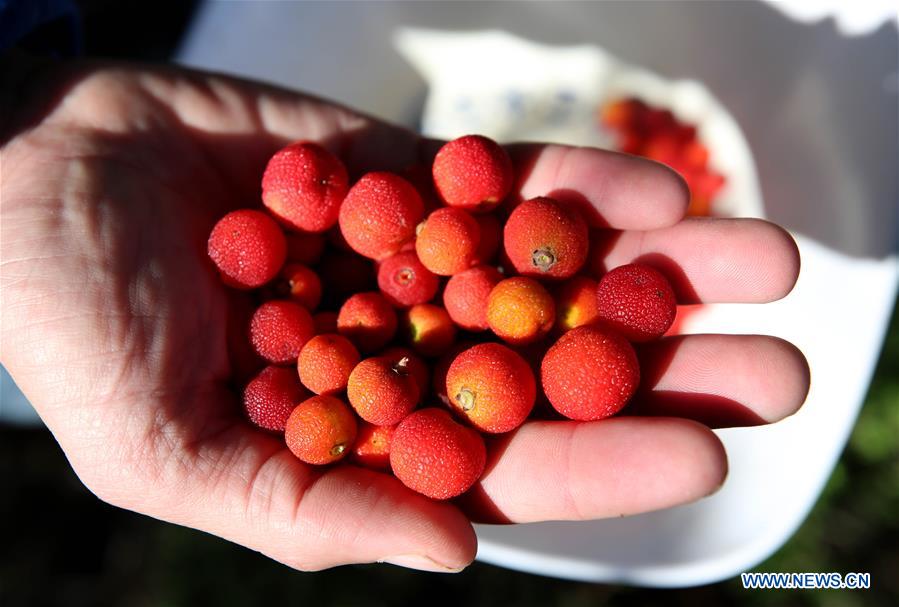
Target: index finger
[610,189]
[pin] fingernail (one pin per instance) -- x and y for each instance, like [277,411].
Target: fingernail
[420,562]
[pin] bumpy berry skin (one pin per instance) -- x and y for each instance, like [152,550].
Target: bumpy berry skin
[325,363]
[590,373]
[271,396]
[545,238]
[405,281]
[576,303]
[372,446]
[379,214]
[492,387]
[382,391]
[303,186]
[520,310]
[305,248]
[465,296]
[473,173]
[368,320]
[433,455]
[248,247]
[637,301]
[417,367]
[448,241]
[301,285]
[279,330]
[429,329]
[441,368]
[321,430]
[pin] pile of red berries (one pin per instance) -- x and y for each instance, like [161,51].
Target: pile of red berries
[656,133]
[476,311]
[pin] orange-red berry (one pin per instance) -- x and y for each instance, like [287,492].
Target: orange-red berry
[545,238]
[325,363]
[368,320]
[590,373]
[433,455]
[302,285]
[520,310]
[279,330]
[372,446]
[576,303]
[416,366]
[320,430]
[492,387]
[248,248]
[382,391]
[379,214]
[429,329]
[473,173]
[465,296]
[303,186]
[441,368]
[448,241]
[404,281]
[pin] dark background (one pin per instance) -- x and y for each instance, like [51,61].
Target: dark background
[62,546]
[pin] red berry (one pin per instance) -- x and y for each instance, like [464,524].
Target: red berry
[491,386]
[379,214]
[473,173]
[320,430]
[441,368]
[303,187]
[279,330]
[248,247]
[301,284]
[433,455]
[429,329]
[325,363]
[576,303]
[417,367]
[270,397]
[382,391]
[544,238]
[637,301]
[404,281]
[590,373]
[372,446]
[448,241]
[520,310]
[466,294]
[368,320]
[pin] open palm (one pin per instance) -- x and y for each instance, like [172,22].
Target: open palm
[118,330]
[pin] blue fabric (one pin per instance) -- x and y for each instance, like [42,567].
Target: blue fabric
[18,18]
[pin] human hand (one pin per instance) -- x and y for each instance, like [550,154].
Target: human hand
[119,331]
